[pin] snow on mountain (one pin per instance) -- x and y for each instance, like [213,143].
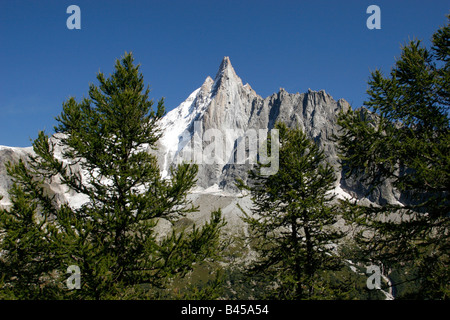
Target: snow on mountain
[176,122]
[173,125]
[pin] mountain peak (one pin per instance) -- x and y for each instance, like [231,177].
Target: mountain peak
[206,86]
[225,69]
[226,63]
[226,76]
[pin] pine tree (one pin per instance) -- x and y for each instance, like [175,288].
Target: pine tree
[105,141]
[403,137]
[291,224]
[26,261]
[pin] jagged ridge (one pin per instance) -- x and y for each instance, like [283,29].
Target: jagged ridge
[227,104]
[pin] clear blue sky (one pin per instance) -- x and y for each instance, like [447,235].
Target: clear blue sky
[296,45]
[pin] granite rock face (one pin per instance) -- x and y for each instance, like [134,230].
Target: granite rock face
[227,105]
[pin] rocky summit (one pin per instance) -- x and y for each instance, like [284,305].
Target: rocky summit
[227,105]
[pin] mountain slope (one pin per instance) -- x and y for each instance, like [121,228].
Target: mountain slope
[227,105]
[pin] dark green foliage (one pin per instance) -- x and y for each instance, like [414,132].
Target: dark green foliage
[404,138]
[291,227]
[113,236]
[23,246]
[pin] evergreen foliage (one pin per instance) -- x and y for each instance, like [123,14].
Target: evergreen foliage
[404,138]
[106,143]
[291,225]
